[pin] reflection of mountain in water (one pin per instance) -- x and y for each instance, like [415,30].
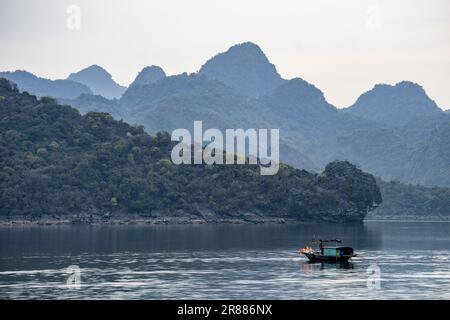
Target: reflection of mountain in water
[410,236]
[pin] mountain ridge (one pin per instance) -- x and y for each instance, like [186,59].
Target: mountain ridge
[148,75]
[386,142]
[245,68]
[26,81]
[99,80]
[395,104]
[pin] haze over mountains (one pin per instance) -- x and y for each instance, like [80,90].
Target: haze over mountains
[395,132]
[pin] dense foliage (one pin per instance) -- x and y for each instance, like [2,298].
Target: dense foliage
[412,202]
[55,161]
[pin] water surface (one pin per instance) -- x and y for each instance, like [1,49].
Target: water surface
[224,262]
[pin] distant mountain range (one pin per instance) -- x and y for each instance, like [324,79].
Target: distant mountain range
[27,81]
[92,80]
[395,132]
[99,80]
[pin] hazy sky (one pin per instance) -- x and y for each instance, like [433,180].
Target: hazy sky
[342,47]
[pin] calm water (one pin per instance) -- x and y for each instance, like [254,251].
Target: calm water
[214,262]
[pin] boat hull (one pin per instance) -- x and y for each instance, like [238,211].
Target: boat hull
[322,258]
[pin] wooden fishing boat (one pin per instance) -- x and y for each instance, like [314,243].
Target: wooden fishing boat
[333,253]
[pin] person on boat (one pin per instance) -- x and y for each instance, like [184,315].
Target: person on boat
[320,246]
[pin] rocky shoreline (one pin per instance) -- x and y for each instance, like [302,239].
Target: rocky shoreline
[142,219]
[135,220]
[22,221]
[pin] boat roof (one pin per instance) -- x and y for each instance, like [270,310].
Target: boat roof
[327,240]
[335,247]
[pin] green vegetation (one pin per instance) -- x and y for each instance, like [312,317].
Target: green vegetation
[55,161]
[412,202]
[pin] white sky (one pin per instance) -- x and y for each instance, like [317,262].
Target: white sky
[343,47]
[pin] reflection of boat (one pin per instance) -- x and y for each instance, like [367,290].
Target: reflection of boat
[328,253]
[309,267]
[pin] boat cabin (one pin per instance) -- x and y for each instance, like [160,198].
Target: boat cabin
[337,251]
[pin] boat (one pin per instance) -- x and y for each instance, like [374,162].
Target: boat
[328,253]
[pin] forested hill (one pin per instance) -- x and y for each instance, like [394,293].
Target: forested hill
[412,203]
[53,161]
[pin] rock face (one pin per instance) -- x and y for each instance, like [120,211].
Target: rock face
[357,190]
[149,75]
[245,68]
[99,80]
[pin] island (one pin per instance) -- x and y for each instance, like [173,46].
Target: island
[60,167]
